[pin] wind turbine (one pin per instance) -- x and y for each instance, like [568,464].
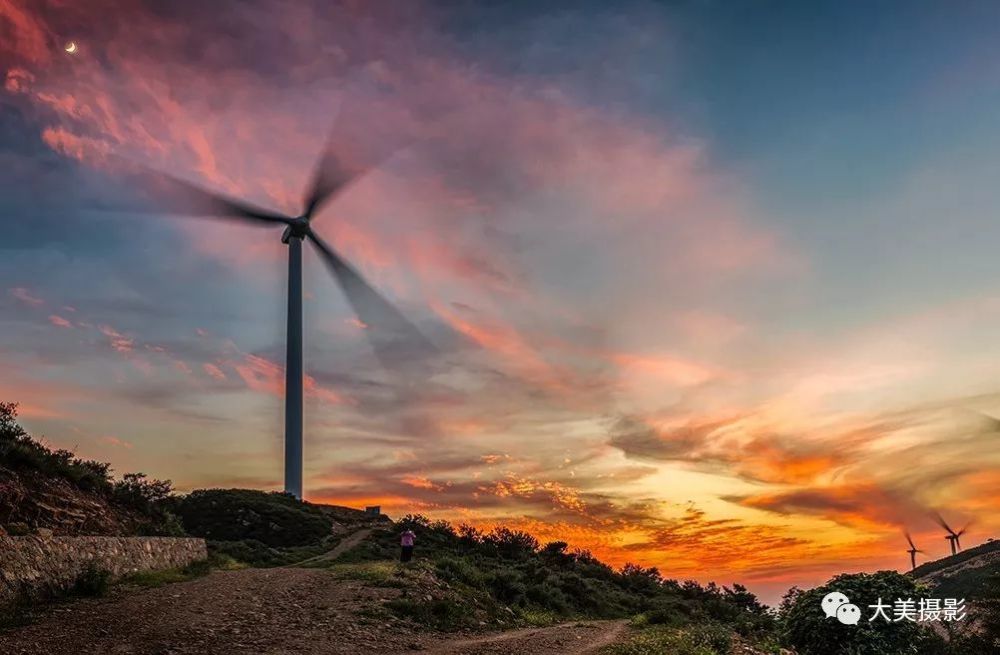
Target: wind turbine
[396,341]
[912,551]
[952,536]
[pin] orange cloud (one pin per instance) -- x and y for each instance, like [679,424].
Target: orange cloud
[421,483]
[517,486]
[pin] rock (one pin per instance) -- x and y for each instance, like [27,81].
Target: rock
[44,533]
[38,564]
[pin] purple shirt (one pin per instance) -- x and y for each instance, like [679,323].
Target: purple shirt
[407,538]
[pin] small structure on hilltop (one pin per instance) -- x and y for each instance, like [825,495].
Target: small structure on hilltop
[374,511]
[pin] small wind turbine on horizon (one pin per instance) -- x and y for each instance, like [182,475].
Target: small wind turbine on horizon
[912,551]
[952,536]
[397,343]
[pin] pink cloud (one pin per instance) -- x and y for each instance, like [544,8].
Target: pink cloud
[213,371]
[261,374]
[115,441]
[118,341]
[25,296]
[59,321]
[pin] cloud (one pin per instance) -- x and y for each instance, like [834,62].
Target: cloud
[114,441]
[118,341]
[213,371]
[59,321]
[25,296]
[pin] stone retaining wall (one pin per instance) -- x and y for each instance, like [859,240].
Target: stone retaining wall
[39,566]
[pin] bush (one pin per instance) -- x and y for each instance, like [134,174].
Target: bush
[806,628]
[507,585]
[454,569]
[512,544]
[19,452]
[443,614]
[92,583]
[276,520]
[550,597]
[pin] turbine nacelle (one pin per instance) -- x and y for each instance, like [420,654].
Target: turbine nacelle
[297,227]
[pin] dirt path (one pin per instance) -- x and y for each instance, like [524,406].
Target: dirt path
[346,544]
[254,611]
[288,611]
[581,638]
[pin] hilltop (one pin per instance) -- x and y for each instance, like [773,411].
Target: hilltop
[967,574]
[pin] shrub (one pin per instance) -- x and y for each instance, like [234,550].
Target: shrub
[454,569]
[512,544]
[806,628]
[20,452]
[92,583]
[549,596]
[507,585]
[442,614]
[273,519]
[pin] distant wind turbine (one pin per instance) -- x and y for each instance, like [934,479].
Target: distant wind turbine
[912,551]
[396,341]
[952,536]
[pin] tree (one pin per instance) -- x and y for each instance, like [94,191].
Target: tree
[806,628]
[512,544]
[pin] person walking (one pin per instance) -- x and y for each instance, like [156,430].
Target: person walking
[406,542]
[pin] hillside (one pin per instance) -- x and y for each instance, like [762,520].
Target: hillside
[967,574]
[42,488]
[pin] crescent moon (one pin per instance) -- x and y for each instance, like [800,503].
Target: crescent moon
[71,47]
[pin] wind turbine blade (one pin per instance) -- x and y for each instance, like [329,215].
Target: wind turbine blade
[909,539]
[332,175]
[398,343]
[179,196]
[365,134]
[940,521]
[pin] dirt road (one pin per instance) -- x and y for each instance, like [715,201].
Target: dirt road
[267,612]
[581,638]
[348,543]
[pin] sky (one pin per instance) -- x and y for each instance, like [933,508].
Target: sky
[712,286]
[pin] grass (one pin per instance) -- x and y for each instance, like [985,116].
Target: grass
[153,579]
[703,639]
[538,618]
[381,574]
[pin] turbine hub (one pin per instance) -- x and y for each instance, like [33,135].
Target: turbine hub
[298,228]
